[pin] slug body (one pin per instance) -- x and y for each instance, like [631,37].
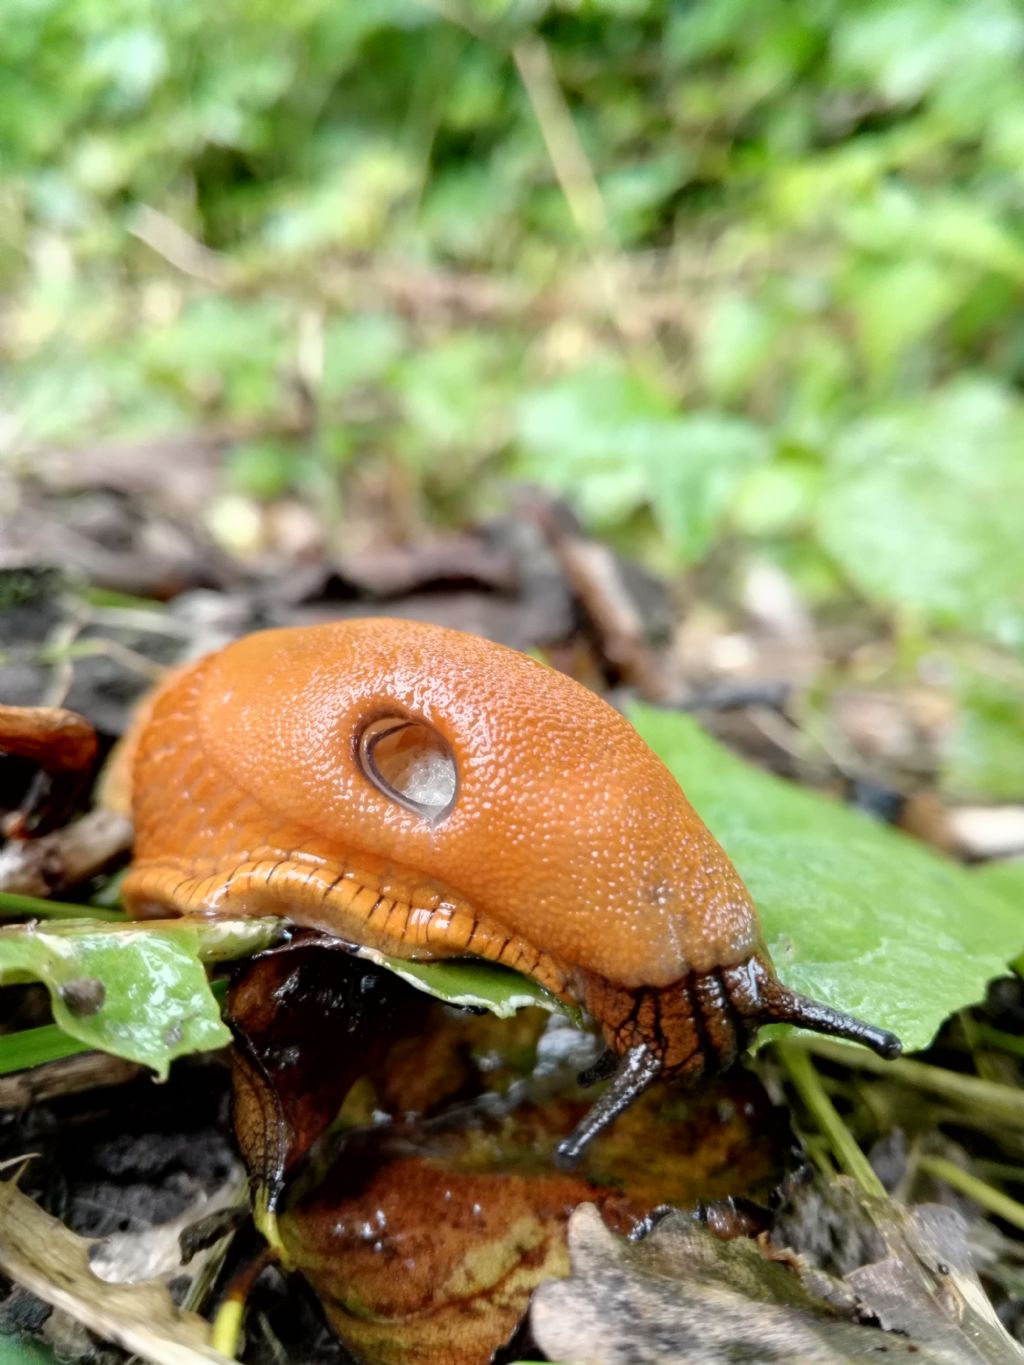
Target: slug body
[433,795]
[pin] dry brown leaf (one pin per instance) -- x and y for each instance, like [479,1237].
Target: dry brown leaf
[424,1263]
[682,1296]
[41,1254]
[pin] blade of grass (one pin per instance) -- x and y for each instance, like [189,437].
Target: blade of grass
[992,1200]
[12,904]
[35,1046]
[998,1102]
[808,1086]
[986,1036]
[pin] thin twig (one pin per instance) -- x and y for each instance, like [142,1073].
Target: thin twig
[568,159]
[574,174]
[69,856]
[177,247]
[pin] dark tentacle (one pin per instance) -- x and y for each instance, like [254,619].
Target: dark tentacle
[757,993]
[604,1067]
[638,1069]
[712,1017]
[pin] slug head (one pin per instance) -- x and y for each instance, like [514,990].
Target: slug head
[697,1027]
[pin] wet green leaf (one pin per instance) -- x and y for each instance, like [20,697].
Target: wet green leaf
[138,991]
[473,983]
[855,914]
[985,753]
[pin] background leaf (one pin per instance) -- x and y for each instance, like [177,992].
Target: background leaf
[924,509]
[984,756]
[609,440]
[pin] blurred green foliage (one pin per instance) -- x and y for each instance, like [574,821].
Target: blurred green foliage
[731,273]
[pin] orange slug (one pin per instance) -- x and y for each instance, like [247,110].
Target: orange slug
[434,795]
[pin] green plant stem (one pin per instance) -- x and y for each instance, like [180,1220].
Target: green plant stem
[990,1199]
[1000,1102]
[989,1065]
[984,1035]
[12,904]
[1004,1171]
[808,1086]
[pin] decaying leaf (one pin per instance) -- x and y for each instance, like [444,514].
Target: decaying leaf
[312,1017]
[425,1245]
[428,1262]
[425,1236]
[308,1020]
[57,739]
[41,1254]
[682,1296]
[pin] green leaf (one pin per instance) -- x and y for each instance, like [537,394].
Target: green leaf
[923,508]
[984,756]
[230,350]
[138,991]
[451,395]
[740,339]
[593,435]
[360,350]
[17,1350]
[614,444]
[778,498]
[263,470]
[703,459]
[912,50]
[897,304]
[472,983]
[854,913]
[1006,877]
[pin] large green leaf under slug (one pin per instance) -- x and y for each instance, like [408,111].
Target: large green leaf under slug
[855,914]
[472,983]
